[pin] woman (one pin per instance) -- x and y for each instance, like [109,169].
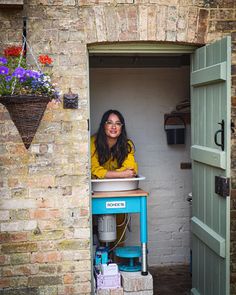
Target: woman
[112,154]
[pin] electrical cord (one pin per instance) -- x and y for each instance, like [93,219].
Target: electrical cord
[123,222]
[122,235]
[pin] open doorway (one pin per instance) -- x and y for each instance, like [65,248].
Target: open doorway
[145,88]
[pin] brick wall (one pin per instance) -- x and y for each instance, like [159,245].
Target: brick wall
[45,230]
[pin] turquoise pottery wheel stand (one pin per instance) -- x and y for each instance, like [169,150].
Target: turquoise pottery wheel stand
[129,252]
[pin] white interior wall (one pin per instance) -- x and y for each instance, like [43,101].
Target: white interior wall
[143,96]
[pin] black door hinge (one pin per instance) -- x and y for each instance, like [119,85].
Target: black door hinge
[222,186]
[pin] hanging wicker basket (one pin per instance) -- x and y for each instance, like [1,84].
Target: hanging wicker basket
[26,112]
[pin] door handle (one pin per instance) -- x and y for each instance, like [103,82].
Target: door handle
[232,126]
[222,132]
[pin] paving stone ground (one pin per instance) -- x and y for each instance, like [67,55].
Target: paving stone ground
[169,280]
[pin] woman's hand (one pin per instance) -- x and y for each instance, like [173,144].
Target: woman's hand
[128,173]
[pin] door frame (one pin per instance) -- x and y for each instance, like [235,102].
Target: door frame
[119,48]
[140,47]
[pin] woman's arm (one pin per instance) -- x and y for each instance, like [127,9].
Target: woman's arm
[100,172]
[129,162]
[127,173]
[97,170]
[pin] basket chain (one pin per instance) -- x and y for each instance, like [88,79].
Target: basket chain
[21,56]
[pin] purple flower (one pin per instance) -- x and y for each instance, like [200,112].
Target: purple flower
[28,73]
[8,78]
[3,60]
[56,94]
[22,79]
[4,70]
[32,74]
[36,74]
[35,84]
[19,72]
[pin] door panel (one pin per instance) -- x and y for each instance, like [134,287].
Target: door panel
[210,104]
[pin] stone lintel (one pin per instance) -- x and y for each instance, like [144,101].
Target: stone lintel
[11,3]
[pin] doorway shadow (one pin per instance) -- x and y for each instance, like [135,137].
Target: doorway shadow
[169,280]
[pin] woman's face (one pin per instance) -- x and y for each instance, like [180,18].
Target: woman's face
[113,126]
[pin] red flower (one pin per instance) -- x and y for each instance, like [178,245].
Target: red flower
[45,59]
[13,51]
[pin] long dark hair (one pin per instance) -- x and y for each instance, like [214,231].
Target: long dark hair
[122,147]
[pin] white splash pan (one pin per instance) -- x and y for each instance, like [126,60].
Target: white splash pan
[116,184]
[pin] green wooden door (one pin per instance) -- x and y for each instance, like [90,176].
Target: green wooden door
[210,104]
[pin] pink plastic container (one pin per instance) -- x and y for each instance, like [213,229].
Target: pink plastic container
[108,282]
